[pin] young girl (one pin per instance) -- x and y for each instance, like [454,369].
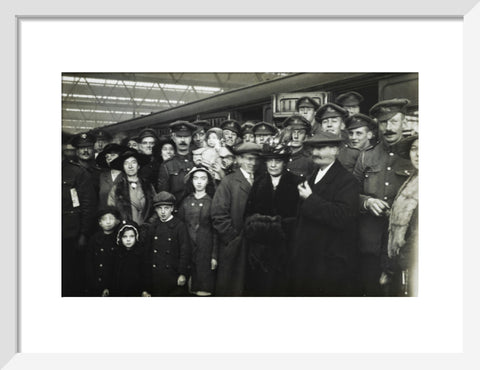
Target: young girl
[210,156]
[129,257]
[195,211]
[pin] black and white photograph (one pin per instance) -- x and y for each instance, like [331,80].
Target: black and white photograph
[266,184]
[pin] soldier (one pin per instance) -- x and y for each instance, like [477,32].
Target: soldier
[247,132]
[78,211]
[228,207]
[299,129]
[306,107]
[263,131]
[231,132]
[330,118]
[172,172]
[199,133]
[350,101]
[360,133]
[381,172]
[84,152]
[325,248]
[147,139]
[102,138]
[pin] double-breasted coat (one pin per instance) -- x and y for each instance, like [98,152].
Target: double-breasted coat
[100,261]
[325,245]
[168,256]
[228,208]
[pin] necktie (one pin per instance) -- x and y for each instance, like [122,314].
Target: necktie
[250,178]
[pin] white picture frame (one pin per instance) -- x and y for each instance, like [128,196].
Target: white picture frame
[9,341]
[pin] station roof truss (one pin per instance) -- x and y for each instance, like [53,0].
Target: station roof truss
[93,100]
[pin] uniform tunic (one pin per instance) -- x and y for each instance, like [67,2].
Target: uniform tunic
[172,173]
[381,173]
[196,215]
[168,256]
[300,164]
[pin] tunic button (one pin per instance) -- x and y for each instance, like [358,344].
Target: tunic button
[169,239]
[193,205]
[290,160]
[167,266]
[101,249]
[385,198]
[389,168]
[201,205]
[100,265]
[154,251]
[156,237]
[391,154]
[99,279]
[366,175]
[167,251]
[186,160]
[386,184]
[154,266]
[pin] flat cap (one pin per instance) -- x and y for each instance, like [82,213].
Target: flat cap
[297,122]
[330,110]
[83,140]
[264,128]
[359,120]
[349,99]
[146,132]
[306,102]
[164,198]
[232,125]
[182,128]
[106,210]
[386,109]
[247,148]
[323,139]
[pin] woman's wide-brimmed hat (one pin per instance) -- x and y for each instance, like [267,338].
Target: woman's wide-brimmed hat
[142,159]
[109,149]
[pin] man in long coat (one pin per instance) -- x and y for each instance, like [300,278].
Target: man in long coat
[325,248]
[228,207]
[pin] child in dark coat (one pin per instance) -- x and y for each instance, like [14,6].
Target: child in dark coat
[168,251]
[195,211]
[99,253]
[129,257]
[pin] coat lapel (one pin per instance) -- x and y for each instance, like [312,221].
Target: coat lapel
[327,179]
[242,182]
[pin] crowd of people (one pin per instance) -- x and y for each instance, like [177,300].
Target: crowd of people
[324,205]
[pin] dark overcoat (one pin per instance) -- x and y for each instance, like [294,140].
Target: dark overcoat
[99,262]
[168,256]
[203,240]
[228,208]
[127,271]
[325,244]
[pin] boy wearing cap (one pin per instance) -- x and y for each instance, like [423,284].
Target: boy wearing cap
[381,172]
[324,252]
[168,250]
[100,253]
[360,133]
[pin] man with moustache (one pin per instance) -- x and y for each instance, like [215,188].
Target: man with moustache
[350,101]
[381,172]
[85,157]
[331,118]
[172,172]
[298,128]
[360,133]
[306,107]
[325,248]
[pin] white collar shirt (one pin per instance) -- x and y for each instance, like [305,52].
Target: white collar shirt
[322,173]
